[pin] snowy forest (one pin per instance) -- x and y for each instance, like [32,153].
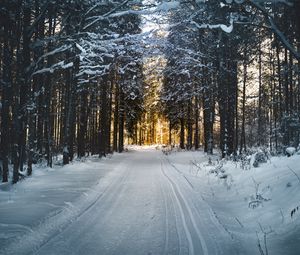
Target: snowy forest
[72,78]
[94,78]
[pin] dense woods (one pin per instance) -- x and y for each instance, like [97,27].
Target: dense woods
[65,72]
[72,79]
[232,78]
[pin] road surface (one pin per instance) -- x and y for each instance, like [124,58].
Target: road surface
[147,208]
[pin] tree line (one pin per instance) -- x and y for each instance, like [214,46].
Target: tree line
[70,80]
[232,79]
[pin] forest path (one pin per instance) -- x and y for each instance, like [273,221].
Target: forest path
[146,207]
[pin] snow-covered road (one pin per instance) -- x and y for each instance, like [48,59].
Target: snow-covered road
[143,202]
[145,208]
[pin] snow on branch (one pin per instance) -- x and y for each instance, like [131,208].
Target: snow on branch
[226,29]
[100,70]
[162,7]
[54,52]
[82,50]
[105,15]
[167,6]
[58,50]
[53,68]
[289,3]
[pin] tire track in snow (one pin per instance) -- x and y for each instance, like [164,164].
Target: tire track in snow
[167,221]
[184,205]
[172,208]
[212,214]
[183,218]
[177,220]
[181,173]
[82,212]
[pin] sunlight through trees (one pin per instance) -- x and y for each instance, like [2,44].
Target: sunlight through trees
[87,77]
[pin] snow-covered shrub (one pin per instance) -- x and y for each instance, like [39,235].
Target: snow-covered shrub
[223,175]
[245,161]
[258,199]
[218,169]
[258,158]
[166,149]
[254,204]
[290,151]
[209,161]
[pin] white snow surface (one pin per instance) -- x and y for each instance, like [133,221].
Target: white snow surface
[145,202]
[290,151]
[167,6]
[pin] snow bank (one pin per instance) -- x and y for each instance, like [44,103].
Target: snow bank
[50,200]
[253,204]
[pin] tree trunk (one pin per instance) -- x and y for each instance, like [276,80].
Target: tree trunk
[189,127]
[103,120]
[196,135]
[243,132]
[82,126]
[116,118]
[121,121]
[6,103]
[182,135]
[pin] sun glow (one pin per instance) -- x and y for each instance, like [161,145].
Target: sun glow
[155,127]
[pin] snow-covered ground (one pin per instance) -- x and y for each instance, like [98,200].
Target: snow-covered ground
[256,206]
[145,202]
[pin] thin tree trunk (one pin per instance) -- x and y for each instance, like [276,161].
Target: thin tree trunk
[243,132]
[189,127]
[196,135]
[103,120]
[182,135]
[116,118]
[121,121]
